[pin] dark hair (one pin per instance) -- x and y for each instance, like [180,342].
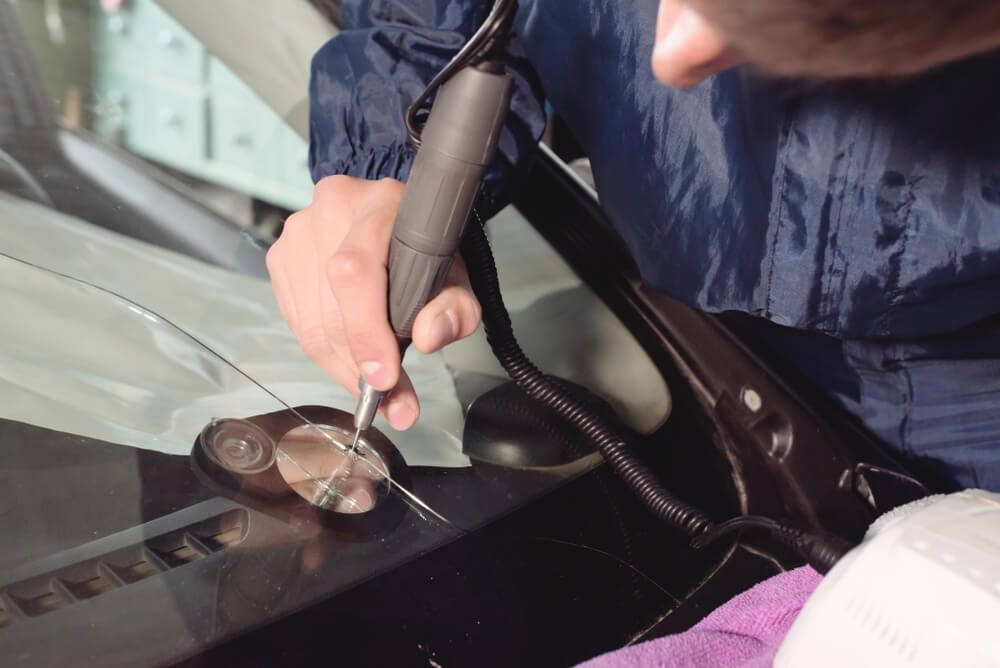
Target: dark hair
[853,38]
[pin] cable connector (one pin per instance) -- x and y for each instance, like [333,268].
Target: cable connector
[819,549]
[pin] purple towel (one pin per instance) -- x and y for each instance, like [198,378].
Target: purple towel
[744,632]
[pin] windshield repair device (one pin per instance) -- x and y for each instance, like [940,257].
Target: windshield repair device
[457,143]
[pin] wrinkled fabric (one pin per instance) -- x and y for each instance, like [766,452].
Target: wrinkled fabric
[869,213]
[744,632]
[364,80]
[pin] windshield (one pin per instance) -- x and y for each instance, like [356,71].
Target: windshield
[158,419]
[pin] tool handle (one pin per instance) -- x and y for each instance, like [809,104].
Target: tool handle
[457,144]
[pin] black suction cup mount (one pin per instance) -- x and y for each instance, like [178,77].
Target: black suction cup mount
[505,427]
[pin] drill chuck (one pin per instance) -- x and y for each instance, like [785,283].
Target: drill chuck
[368,404]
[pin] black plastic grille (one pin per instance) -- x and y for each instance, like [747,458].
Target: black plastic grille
[91,578]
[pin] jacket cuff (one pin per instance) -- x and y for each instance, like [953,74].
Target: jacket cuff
[392,161]
[395,161]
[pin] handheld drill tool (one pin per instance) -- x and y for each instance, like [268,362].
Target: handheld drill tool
[457,143]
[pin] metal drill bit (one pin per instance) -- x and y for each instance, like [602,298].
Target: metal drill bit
[354,444]
[364,414]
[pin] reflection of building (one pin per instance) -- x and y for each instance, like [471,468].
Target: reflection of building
[159,92]
[62,51]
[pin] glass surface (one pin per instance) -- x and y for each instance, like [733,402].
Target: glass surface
[118,358]
[95,517]
[357,475]
[104,404]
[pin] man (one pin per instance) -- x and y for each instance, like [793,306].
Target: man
[862,217]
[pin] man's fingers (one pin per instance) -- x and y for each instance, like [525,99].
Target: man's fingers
[329,276]
[454,314]
[296,263]
[401,407]
[359,282]
[334,201]
[276,262]
[333,321]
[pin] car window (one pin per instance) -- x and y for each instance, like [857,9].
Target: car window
[130,332]
[135,76]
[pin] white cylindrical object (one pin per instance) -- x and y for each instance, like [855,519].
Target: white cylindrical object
[923,589]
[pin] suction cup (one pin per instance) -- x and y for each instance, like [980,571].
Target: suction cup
[282,466]
[238,446]
[505,427]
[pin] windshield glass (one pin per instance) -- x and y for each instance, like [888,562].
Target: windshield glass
[158,417]
[132,451]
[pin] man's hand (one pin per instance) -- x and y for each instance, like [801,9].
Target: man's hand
[329,275]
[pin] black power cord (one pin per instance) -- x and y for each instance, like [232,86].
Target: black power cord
[500,335]
[487,40]
[821,551]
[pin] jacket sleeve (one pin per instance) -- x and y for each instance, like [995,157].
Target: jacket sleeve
[364,79]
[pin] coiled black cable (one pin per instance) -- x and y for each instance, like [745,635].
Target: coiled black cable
[500,335]
[490,36]
[819,550]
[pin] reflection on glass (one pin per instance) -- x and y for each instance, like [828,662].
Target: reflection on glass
[340,478]
[238,446]
[130,72]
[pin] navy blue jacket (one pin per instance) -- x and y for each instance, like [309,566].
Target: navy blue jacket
[866,217]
